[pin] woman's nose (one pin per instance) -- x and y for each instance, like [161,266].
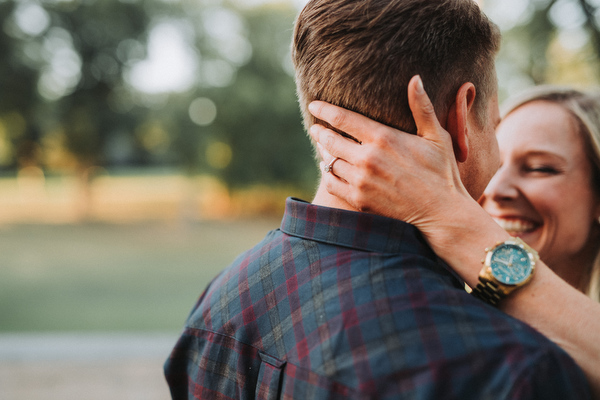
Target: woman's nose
[502,186]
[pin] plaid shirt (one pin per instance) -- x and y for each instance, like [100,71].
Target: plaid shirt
[339,304]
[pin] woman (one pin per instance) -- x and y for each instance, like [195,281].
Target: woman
[546,191]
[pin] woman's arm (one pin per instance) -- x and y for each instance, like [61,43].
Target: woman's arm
[415,178]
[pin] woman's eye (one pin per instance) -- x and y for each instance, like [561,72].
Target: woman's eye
[542,169]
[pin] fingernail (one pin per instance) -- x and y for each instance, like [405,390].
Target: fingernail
[420,89]
[311,107]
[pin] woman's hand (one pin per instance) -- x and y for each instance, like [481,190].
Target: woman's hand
[392,173]
[413,178]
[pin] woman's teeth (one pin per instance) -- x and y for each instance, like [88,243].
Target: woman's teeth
[515,225]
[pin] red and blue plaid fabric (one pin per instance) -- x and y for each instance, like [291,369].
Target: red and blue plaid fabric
[345,305]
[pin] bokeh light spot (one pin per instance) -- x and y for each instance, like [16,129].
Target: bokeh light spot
[219,155]
[203,111]
[31,18]
[171,65]
[567,14]
[63,70]
[154,138]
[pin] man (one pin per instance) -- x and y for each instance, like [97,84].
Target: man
[343,304]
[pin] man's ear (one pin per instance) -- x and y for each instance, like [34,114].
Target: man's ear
[458,120]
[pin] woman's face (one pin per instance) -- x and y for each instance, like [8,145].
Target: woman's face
[543,191]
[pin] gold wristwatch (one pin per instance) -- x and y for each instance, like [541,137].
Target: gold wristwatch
[508,266]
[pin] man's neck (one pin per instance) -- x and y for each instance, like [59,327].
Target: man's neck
[324,198]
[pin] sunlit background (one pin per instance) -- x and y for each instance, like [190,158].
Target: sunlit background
[144,144]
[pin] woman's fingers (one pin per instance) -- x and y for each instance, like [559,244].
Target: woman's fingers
[339,169]
[423,112]
[366,130]
[331,162]
[336,185]
[325,155]
[333,143]
[356,125]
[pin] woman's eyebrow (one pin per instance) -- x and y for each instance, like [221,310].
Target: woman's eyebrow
[546,153]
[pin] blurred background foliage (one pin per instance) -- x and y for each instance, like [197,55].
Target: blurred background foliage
[202,86]
[546,41]
[205,86]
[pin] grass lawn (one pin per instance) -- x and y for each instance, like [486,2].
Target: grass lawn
[105,277]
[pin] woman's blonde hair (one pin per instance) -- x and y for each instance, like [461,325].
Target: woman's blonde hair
[584,107]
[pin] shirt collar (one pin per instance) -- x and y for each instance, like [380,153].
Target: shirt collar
[362,231]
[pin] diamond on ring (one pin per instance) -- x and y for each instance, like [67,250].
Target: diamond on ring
[329,167]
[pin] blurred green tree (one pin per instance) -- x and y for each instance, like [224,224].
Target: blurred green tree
[19,106]
[546,41]
[240,121]
[106,36]
[74,94]
[63,73]
[258,115]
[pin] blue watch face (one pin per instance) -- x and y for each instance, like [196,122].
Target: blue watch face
[510,264]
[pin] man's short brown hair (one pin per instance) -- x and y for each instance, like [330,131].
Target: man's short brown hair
[361,54]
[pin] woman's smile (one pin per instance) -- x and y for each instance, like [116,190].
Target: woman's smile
[516,226]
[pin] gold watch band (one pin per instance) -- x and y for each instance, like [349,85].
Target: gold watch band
[488,291]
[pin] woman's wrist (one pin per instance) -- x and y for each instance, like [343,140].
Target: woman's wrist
[460,236]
